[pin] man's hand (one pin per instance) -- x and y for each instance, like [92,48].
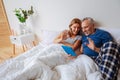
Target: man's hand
[92,46]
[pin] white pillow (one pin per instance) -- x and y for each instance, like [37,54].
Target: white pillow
[48,36]
[118,40]
[114,32]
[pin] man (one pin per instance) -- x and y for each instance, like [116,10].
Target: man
[99,45]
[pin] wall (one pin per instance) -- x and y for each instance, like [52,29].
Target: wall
[56,14]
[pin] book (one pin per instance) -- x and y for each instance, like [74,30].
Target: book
[69,50]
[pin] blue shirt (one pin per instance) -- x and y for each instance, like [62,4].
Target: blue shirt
[99,38]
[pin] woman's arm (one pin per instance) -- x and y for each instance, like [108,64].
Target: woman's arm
[78,52]
[61,37]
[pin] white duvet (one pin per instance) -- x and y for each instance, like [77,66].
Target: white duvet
[49,63]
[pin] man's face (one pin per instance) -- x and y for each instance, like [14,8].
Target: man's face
[87,27]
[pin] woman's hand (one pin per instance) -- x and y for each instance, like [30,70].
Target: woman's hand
[64,35]
[69,57]
[60,40]
[61,37]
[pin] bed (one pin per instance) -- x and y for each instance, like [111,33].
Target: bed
[26,67]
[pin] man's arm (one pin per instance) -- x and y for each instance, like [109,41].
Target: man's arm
[96,49]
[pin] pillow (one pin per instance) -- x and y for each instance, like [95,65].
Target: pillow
[113,31]
[48,36]
[69,50]
[118,40]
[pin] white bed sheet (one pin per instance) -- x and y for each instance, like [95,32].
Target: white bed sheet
[33,64]
[49,67]
[17,63]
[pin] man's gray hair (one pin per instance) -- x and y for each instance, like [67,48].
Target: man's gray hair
[90,19]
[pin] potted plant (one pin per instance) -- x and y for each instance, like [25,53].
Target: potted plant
[22,16]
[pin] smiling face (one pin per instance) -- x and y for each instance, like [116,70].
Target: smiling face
[87,27]
[75,28]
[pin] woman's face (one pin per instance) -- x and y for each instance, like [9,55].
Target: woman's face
[75,28]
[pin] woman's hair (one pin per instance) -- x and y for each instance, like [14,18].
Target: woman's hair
[90,20]
[75,20]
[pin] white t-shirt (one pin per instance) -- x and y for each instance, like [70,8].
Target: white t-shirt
[72,40]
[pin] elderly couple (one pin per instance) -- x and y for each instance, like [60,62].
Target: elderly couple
[95,43]
[84,40]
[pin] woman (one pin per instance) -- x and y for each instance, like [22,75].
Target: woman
[42,64]
[71,37]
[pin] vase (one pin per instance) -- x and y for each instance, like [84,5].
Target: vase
[24,29]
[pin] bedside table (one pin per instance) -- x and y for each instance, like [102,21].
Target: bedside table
[25,40]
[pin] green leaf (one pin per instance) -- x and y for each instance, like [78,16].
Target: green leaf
[22,19]
[22,15]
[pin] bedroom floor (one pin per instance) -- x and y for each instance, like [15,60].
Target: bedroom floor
[6,53]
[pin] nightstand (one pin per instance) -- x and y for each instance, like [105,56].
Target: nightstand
[25,40]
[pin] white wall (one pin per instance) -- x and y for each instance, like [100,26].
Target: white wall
[56,14]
